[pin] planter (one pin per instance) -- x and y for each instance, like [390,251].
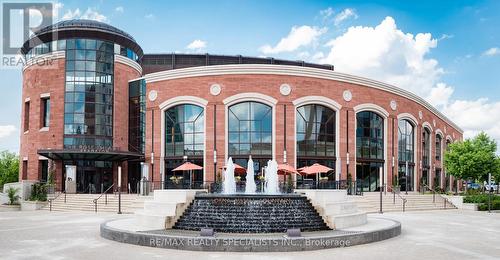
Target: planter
[470,206]
[4,208]
[32,205]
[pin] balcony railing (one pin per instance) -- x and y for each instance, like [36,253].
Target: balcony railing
[352,187]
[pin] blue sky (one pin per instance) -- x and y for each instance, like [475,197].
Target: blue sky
[445,51]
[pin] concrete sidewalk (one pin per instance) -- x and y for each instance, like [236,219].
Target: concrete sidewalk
[450,234]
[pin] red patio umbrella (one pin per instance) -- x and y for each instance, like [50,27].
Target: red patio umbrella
[285,169]
[315,169]
[188,166]
[238,169]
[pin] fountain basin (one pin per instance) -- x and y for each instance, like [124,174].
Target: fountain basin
[250,213]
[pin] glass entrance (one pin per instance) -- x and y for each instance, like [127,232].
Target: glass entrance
[93,176]
[368,174]
[404,181]
[180,179]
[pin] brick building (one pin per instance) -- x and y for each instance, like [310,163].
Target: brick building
[93,101]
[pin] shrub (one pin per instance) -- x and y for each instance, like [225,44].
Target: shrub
[482,200]
[38,192]
[13,197]
[495,205]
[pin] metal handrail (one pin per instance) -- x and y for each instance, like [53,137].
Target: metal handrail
[445,200]
[105,193]
[404,200]
[52,199]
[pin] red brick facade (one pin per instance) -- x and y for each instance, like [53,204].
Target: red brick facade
[38,80]
[50,79]
[301,86]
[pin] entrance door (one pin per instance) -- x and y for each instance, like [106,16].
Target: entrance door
[368,174]
[405,182]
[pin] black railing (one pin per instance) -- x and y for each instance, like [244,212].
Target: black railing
[52,199]
[352,187]
[440,196]
[105,193]
[397,192]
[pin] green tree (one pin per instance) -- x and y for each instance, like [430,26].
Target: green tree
[473,158]
[9,168]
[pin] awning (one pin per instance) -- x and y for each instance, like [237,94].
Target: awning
[69,155]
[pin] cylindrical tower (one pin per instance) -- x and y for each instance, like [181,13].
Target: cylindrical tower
[76,103]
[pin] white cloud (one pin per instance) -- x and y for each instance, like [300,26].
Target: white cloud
[326,13]
[119,9]
[344,15]
[6,130]
[387,54]
[446,36]
[475,116]
[150,16]
[90,14]
[440,95]
[492,51]
[298,37]
[197,45]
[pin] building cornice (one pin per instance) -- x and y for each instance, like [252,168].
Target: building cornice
[44,58]
[267,69]
[124,60]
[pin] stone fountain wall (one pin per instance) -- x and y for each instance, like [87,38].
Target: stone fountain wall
[251,214]
[336,209]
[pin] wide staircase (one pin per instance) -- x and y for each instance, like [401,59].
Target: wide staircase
[85,202]
[370,202]
[251,214]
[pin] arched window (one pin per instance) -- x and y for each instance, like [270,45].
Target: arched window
[426,146]
[437,173]
[369,149]
[446,174]
[250,133]
[184,138]
[406,152]
[316,136]
[439,140]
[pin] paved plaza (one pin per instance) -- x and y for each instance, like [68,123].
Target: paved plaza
[450,234]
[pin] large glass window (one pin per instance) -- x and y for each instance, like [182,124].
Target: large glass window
[137,116]
[250,129]
[316,137]
[184,133]
[315,131]
[426,146]
[369,149]
[88,105]
[405,155]
[439,140]
[369,136]
[184,139]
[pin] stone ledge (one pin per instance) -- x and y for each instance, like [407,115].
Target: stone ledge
[383,230]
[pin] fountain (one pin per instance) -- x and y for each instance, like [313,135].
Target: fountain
[229,184]
[250,186]
[272,183]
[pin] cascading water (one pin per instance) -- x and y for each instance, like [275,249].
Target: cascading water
[250,186]
[229,184]
[272,183]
